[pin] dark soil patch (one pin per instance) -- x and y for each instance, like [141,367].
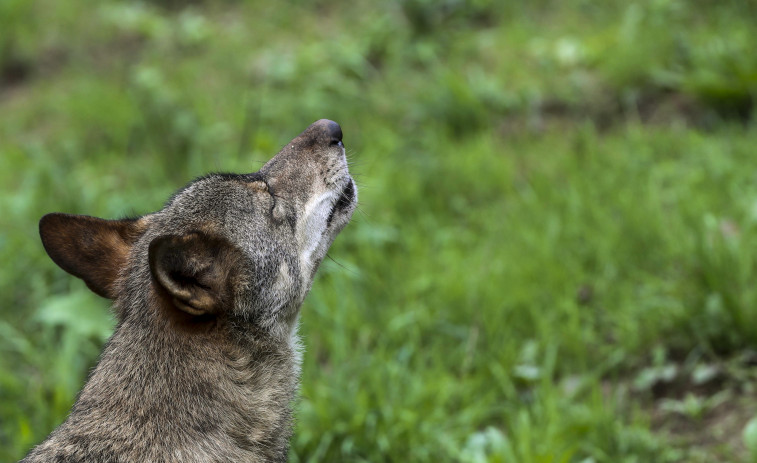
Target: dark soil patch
[605,111]
[703,408]
[14,71]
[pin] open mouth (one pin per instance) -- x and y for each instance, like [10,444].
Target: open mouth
[346,197]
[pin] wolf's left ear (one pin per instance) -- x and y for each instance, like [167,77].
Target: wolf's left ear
[92,249]
[195,269]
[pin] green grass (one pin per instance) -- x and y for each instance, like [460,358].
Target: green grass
[558,201]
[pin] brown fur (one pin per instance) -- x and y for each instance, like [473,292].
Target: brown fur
[204,361]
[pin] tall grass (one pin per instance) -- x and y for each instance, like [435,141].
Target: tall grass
[553,197]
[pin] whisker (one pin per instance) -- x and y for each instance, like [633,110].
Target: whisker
[352,271]
[364,214]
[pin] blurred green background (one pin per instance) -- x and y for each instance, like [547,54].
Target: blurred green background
[555,254]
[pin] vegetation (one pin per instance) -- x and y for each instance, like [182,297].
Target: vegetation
[555,257]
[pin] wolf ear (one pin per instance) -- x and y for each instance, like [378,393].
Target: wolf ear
[92,249]
[195,270]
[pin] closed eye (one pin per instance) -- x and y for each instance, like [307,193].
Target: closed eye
[261,186]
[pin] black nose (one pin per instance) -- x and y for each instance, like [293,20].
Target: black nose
[334,131]
[329,130]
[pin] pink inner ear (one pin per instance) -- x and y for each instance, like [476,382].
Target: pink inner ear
[90,248]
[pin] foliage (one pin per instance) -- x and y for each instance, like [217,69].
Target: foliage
[551,193]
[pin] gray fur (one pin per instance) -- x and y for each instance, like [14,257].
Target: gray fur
[198,372]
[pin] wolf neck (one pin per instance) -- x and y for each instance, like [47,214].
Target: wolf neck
[206,396]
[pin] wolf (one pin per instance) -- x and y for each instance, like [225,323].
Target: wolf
[204,362]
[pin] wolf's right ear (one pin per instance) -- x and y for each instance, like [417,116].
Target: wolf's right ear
[90,248]
[195,270]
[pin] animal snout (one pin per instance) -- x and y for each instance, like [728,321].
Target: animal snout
[318,149]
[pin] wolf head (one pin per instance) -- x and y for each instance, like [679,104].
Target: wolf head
[239,246]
